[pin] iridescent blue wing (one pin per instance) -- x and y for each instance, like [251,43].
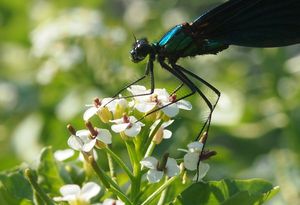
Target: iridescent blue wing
[254,23]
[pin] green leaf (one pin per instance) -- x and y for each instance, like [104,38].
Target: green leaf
[228,192]
[176,188]
[15,189]
[49,173]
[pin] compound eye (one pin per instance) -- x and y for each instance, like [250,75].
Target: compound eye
[136,56]
[141,49]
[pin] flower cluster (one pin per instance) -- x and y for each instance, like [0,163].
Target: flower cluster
[141,123]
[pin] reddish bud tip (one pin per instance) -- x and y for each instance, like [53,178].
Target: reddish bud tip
[97,102]
[71,129]
[92,130]
[203,138]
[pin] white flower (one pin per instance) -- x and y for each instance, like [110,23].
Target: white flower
[202,171]
[74,195]
[191,160]
[159,98]
[161,133]
[154,175]
[95,108]
[166,133]
[110,103]
[94,154]
[127,124]
[112,202]
[61,155]
[83,141]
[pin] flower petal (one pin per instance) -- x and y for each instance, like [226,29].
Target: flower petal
[167,134]
[89,190]
[62,155]
[185,105]
[154,176]
[203,169]
[83,133]
[70,190]
[137,89]
[133,131]
[89,113]
[89,145]
[104,136]
[153,126]
[166,124]
[75,143]
[195,146]
[104,101]
[149,162]
[172,169]
[145,106]
[191,160]
[171,110]
[118,121]
[119,127]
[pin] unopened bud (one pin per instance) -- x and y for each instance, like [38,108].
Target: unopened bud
[161,166]
[151,117]
[164,117]
[104,115]
[206,154]
[119,111]
[92,130]
[71,129]
[184,177]
[203,138]
[97,102]
[100,145]
[158,137]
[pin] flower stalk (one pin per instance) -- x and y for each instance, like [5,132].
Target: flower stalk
[40,192]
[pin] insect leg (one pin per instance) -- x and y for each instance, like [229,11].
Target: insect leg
[148,72]
[201,80]
[208,121]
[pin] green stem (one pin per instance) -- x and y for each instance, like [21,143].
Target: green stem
[29,175]
[111,167]
[131,152]
[136,183]
[100,173]
[108,182]
[150,149]
[162,197]
[159,190]
[120,162]
[136,180]
[152,134]
[121,195]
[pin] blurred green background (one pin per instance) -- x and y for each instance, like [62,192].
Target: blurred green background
[56,56]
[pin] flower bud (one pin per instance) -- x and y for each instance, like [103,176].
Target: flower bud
[158,137]
[203,138]
[151,117]
[119,111]
[184,177]
[164,117]
[162,164]
[100,145]
[104,115]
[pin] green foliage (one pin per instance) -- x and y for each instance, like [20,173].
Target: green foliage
[228,192]
[15,189]
[48,172]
